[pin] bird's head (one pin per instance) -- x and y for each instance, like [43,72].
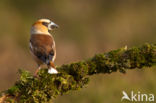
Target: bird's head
[43,26]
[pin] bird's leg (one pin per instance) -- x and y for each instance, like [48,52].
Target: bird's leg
[35,74]
[52,64]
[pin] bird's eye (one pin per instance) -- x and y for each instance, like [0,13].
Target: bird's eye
[45,24]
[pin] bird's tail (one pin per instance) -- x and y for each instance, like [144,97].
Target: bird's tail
[52,69]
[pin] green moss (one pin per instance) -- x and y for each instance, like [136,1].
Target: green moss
[74,76]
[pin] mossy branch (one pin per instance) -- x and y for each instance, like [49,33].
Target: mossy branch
[76,75]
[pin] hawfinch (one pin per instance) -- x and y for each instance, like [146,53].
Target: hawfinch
[42,44]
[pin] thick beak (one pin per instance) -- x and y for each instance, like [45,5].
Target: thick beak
[52,26]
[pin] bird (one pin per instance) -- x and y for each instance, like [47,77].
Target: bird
[42,44]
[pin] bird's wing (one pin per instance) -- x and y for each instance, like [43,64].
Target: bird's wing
[43,47]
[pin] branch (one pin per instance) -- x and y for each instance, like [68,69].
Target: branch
[75,75]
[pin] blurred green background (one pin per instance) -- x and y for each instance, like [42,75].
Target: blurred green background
[87,27]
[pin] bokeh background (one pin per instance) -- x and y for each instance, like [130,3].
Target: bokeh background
[87,27]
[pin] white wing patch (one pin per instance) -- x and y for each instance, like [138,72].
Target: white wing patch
[30,45]
[53,46]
